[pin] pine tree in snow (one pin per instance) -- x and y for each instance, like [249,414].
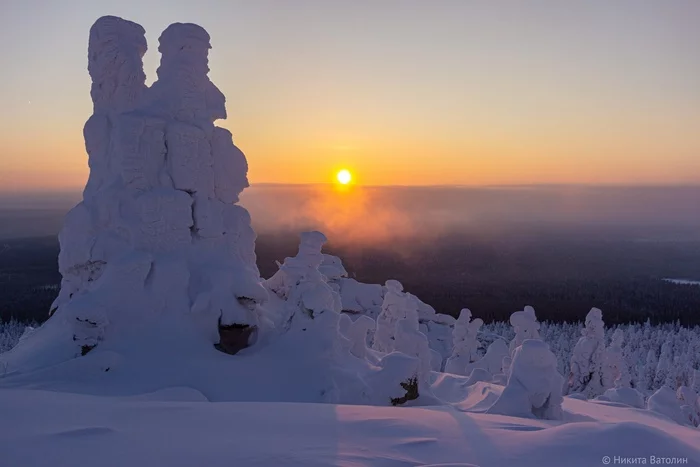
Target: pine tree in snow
[393,309]
[465,343]
[587,358]
[650,370]
[525,325]
[615,370]
[663,367]
[534,386]
[412,342]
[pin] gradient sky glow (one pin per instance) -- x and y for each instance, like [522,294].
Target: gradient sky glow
[400,92]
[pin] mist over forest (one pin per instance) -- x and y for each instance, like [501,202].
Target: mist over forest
[561,249]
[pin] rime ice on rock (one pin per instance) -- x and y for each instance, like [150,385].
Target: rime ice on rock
[157,232]
[465,343]
[534,385]
[587,358]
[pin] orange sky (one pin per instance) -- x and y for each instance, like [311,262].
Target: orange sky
[435,94]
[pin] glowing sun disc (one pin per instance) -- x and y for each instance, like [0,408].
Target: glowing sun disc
[344,177]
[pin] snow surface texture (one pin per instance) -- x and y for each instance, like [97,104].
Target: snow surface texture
[178,428]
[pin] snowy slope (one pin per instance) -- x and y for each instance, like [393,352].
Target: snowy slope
[178,427]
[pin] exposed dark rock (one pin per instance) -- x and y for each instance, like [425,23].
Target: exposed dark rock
[234,337]
[84,349]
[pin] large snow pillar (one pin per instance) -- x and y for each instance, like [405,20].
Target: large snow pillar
[158,230]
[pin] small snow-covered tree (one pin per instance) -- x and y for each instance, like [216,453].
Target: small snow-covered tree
[492,361]
[465,343]
[525,325]
[696,381]
[412,342]
[663,367]
[650,370]
[615,371]
[396,306]
[587,358]
[534,387]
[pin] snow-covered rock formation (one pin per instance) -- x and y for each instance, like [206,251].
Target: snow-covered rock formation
[534,385]
[158,235]
[465,343]
[587,359]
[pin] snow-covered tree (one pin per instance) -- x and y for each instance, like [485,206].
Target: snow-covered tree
[525,325]
[465,343]
[492,361]
[412,342]
[587,359]
[393,309]
[615,370]
[663,367]
[534,387]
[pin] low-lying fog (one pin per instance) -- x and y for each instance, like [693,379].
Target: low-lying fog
[381,216]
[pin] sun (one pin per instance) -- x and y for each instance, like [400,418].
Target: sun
[344,177]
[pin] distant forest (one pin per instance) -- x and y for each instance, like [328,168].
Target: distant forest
[561,277]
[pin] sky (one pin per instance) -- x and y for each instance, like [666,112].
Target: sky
[400,92]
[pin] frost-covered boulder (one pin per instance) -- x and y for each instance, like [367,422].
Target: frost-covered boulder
[587,358]
[534,387]
[158,234]
[525,325]
[465,342]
